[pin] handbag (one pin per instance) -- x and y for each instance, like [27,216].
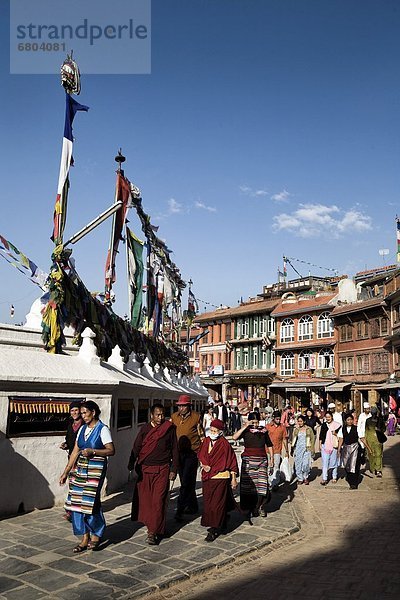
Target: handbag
[335,441]
[286,470]
[381,436]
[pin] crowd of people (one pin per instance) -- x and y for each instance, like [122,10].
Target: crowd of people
[165,448]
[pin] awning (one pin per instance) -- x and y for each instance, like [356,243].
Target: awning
[388,386]
[337,387]
[303,385]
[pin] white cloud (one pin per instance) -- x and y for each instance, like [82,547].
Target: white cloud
[244,189]
[281,196]
[205,207]
[248,191]
[315,220]
[174,207]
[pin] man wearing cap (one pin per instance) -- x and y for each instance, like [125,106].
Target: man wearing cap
[337,416]
[279,438]
[190,435]
[362,420]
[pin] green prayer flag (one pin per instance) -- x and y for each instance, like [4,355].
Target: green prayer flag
[135,272]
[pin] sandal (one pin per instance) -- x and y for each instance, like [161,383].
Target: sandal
[78,549]
[94,544]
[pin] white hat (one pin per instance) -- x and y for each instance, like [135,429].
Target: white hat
[331,405]
[366,405]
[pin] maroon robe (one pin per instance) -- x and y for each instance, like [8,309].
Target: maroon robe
[156,449]
[217,493]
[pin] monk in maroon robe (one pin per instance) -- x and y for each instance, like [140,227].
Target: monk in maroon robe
[155,459]
[219,469]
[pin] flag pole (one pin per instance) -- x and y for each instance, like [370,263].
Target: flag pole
[189,320]
[70,80]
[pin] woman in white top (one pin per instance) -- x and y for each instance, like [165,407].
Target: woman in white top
[208,417]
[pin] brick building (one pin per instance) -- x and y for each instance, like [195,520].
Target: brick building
[305,348]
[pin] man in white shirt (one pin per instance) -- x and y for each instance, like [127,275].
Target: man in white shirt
[362,420]
[337,416]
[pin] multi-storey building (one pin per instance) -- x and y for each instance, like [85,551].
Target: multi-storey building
[305,342]
[363,350]
[253,354]
[214,352]
[237,358]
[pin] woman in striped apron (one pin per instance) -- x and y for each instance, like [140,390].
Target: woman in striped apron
[254,470]
[88,466]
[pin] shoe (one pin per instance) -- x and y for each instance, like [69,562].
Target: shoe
[78,549]
[300,482]
[353,487]
[334,481]
[378,474]
[263,513]
[151,539]
[323,482]
[211,536]
[306,482]
[255,512]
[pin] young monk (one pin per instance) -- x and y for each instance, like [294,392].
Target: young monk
[219,469]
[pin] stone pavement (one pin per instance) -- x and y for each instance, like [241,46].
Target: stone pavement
[36,559]
[348,547]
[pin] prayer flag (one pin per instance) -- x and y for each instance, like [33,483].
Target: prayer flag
[60,209]
[122,192]
[193,307]
[17,259]
[135,273]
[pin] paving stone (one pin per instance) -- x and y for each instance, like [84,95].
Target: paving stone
[123,562]
[114,579]
[243,538]
[127,548]
[48,580]
[175,547]
[151,572]
[44,558]
[202,554]
[15,566]
[86,591]
[153,556]
[21,551]
[24,593]
[5,543]
[6,583]
[70,566]
[177,562]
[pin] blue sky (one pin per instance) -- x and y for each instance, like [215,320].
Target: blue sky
[265,128]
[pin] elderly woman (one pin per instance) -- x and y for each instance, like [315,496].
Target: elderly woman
[302,449]
[254,471]
[328,438]
[218,473]
[89,460]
